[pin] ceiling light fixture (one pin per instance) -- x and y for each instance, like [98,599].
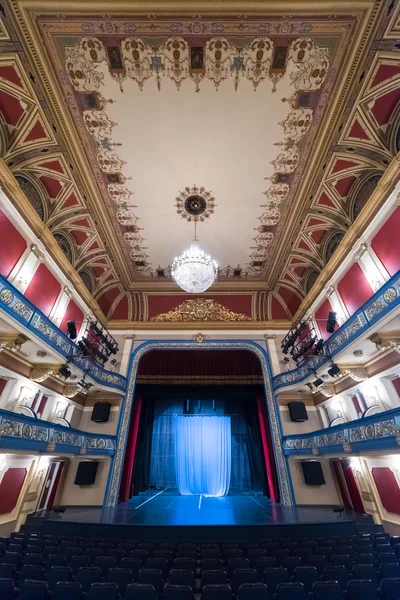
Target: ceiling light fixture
[194,270]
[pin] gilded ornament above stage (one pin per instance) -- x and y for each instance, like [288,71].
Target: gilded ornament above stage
[200,310]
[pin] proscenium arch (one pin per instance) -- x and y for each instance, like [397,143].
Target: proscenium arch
[114,479]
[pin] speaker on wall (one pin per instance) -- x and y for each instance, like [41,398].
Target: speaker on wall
[298,412]
[101,412]
[86,473]
[312,471]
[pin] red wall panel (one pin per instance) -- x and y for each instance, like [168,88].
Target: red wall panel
[105,301]
[73,313]
[10,489]
[121,311]
[386,243]
[396,383]
[43,290]
[321,316]
[161,304]
[290,297]
[388,489]
[354,288]
[12,245]
[3,383]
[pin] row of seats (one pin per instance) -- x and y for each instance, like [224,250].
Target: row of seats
[190,566]
[323,590]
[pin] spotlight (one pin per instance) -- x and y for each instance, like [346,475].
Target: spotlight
[114,360]
[332,322]
[63,371]
[334,371]
[71,329]
[318,382]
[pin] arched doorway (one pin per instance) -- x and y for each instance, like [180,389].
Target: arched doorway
[254,369]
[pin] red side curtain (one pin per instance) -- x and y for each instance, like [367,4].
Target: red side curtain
[127,471]
[352,487]
[268,451]
[342,487]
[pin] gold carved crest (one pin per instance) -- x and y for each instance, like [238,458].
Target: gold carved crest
[200,310]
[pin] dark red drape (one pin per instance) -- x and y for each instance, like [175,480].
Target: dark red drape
[352,487]
[129,461]
[339,478]
[268,450]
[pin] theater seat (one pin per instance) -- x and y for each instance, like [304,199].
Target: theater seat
[307,576]
[337,573]
[177,592]
[365,572]
[273,577]
[103,591]
[77,562]
[361,589]
[55,560]
[181,577]
[253,591]
[291,591]
[133,564]
[185,563]
[215,592]
[237,563]
[153,577]
[57,574]
[140,591]
[159,563]
[327,590]
[390,588]
[86,576]
[216,577]
[262,563]
[105,563]
[8,591]
[33,590]
[30,572]
[122,577]
[290,563]
[390,570]
[243,576]
[7,571]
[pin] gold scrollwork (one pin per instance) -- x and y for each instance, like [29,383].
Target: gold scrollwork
[200,310]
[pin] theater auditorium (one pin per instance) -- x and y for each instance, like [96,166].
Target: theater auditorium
[199,300]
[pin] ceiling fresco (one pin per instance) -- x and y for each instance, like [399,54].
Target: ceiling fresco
[270,131]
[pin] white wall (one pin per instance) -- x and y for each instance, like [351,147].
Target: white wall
[108,428]
[309,494]
[289,427]
[85,495]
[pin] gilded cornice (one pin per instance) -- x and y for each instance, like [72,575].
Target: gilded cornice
[216,325]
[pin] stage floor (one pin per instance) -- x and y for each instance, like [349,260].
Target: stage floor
[169,509]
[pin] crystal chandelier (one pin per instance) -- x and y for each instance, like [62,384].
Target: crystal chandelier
[194,270]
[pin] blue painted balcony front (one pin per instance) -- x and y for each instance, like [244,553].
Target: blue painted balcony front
[377,432]
[24,312]
[384,301]
[18,432]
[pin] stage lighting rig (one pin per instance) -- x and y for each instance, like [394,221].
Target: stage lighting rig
[319,347]
[97,343]
[318,382]
[63,371]
[334,371]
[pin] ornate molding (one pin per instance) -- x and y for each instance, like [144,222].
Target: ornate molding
[328,390]
[70,391]
[37,252]
[41,372]
[12,342]
[356,373]
[200,310]
[273,410]
[386,340]
[200,337]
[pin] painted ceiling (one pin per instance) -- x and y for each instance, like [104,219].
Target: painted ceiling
[269,130]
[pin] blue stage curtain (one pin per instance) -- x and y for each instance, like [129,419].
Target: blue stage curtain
[203,455]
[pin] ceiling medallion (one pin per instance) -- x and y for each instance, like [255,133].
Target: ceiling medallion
[195,204]
[194,270]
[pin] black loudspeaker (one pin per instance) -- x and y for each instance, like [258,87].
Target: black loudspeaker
[331,323]
[101,412]
[312,471]
[59,509]
[298,412]
[86,473]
